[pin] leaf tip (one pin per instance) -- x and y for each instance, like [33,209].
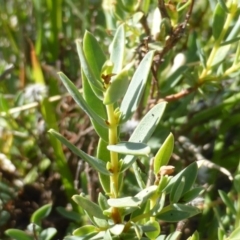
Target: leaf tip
[50,131]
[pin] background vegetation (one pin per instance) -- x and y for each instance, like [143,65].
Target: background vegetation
[196,70]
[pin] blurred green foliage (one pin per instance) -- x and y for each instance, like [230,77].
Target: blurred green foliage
[37,40]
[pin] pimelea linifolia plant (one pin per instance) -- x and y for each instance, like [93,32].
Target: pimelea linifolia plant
[110,98]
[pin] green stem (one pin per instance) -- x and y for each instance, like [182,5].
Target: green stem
[114,164]
[113,139]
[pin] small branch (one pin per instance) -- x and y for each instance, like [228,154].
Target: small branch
[201,160]
[145,26]
[162,9]
[174,97]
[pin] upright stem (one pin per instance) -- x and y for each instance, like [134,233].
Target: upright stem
[114,164]
[113,139]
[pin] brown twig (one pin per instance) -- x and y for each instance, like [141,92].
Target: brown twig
[145,26]
[162,9]
[176,33]
[173,97]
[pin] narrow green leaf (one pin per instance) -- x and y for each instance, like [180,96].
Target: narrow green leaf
[153,234]
[177,189]
[117,49]
[101,223]
[97,164]
[221,234]
[130,5]
[97,106]
[102,201]
[41,213]
[201,54]
[221,54]
[33,227]
[223,50]
[177,212]
[94,54]
[136,211]
[161,237]
[118,87]
[17,234]
[236,39]
[84,230]
[95,81]
[117,229]
[90,207]
[173,79]
[76,95]
[78,238]
[135,201]
[223,5]
[164,153]
[124,202]
[235,235]
[192,194]
[144,6]
[189,173]
[218,20]
[131,148]
[138,230]
[48,234]
[236,182]
[138,176]
[229,203]
[136,87]
[107,235]
[73,216]
[96,59]
[144,130]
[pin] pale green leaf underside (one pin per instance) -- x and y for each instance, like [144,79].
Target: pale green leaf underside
[90,207]
[235,234]
[136,87]
[84,230]
[97,164]
[135,201]
[48,233]
[117,49]
[130,148]
[117,229]
[41,213]
[144,130]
